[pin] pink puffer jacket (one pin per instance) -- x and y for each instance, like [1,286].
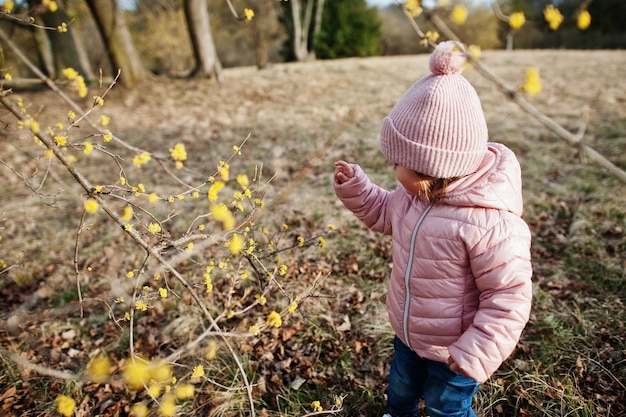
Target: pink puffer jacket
[460,284]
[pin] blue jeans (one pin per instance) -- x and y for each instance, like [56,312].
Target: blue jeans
[445,393]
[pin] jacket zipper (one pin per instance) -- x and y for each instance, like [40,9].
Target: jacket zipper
[407,276]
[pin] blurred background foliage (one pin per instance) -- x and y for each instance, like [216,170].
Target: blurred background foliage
[349,28]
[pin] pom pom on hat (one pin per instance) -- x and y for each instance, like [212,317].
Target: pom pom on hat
[438,127]
[447,58]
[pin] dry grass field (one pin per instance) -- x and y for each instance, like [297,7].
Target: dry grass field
[300,118]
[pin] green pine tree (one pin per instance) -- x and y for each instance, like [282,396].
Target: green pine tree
[349,28]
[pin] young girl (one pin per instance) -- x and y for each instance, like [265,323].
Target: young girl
[460,289]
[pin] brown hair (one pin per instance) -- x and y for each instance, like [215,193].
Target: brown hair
[434,188]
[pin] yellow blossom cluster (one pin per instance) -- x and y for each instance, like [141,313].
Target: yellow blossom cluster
[179,154]
[459,14]
[532,83]
[583,21]
[553,16]
[413,8]
[77,82]
[8,6]
[517,20]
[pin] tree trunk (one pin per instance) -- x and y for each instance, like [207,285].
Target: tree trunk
[117,39]
[301,28]
[260,34]
[319,11]
[208,64]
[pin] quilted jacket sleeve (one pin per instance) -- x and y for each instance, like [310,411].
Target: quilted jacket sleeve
[366,200]
[501,265]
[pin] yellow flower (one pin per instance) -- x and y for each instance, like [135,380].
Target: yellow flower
[80,86]
[553,16]
[154,228]
[195,194]
[413,7]
[71,116]
[189,247]
[516,20]
[154,390]
[282,270]
[179,153]
[160,371]
[104,120]
[532,83]
[98,100]
[474,51]
[140,305]
[91,205]
[316,406]
[321,242]
[163,292]
[261,298]
[274,319]
[243,180]
[65,405]
[8,6]
[292,307]
[99,368]
[222,214]
[60,140]
[211,352]
[430,37]
[255,330]
[69,73]
[107,136]
[584,20]
[223,170]
[249,13]
[141,159]
[139,410]
[168,406]
[53,6]
[8,76]
[214,190]
[152,198]
[209,283]
[459,14]
[128,214]
[236,244]
[300,241]
[136,373]
[198,372]
[87,148]
[184,391]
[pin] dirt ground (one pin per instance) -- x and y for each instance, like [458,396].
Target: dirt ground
[289,112]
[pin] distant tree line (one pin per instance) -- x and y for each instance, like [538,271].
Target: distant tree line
[186,38]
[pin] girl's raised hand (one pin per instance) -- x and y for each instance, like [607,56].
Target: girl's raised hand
[343,172]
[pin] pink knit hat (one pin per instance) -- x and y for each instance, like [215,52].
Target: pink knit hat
[438,127]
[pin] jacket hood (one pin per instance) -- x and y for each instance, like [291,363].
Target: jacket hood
[497,184]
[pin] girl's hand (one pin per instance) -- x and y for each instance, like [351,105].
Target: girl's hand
[454,367]
[343,172]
